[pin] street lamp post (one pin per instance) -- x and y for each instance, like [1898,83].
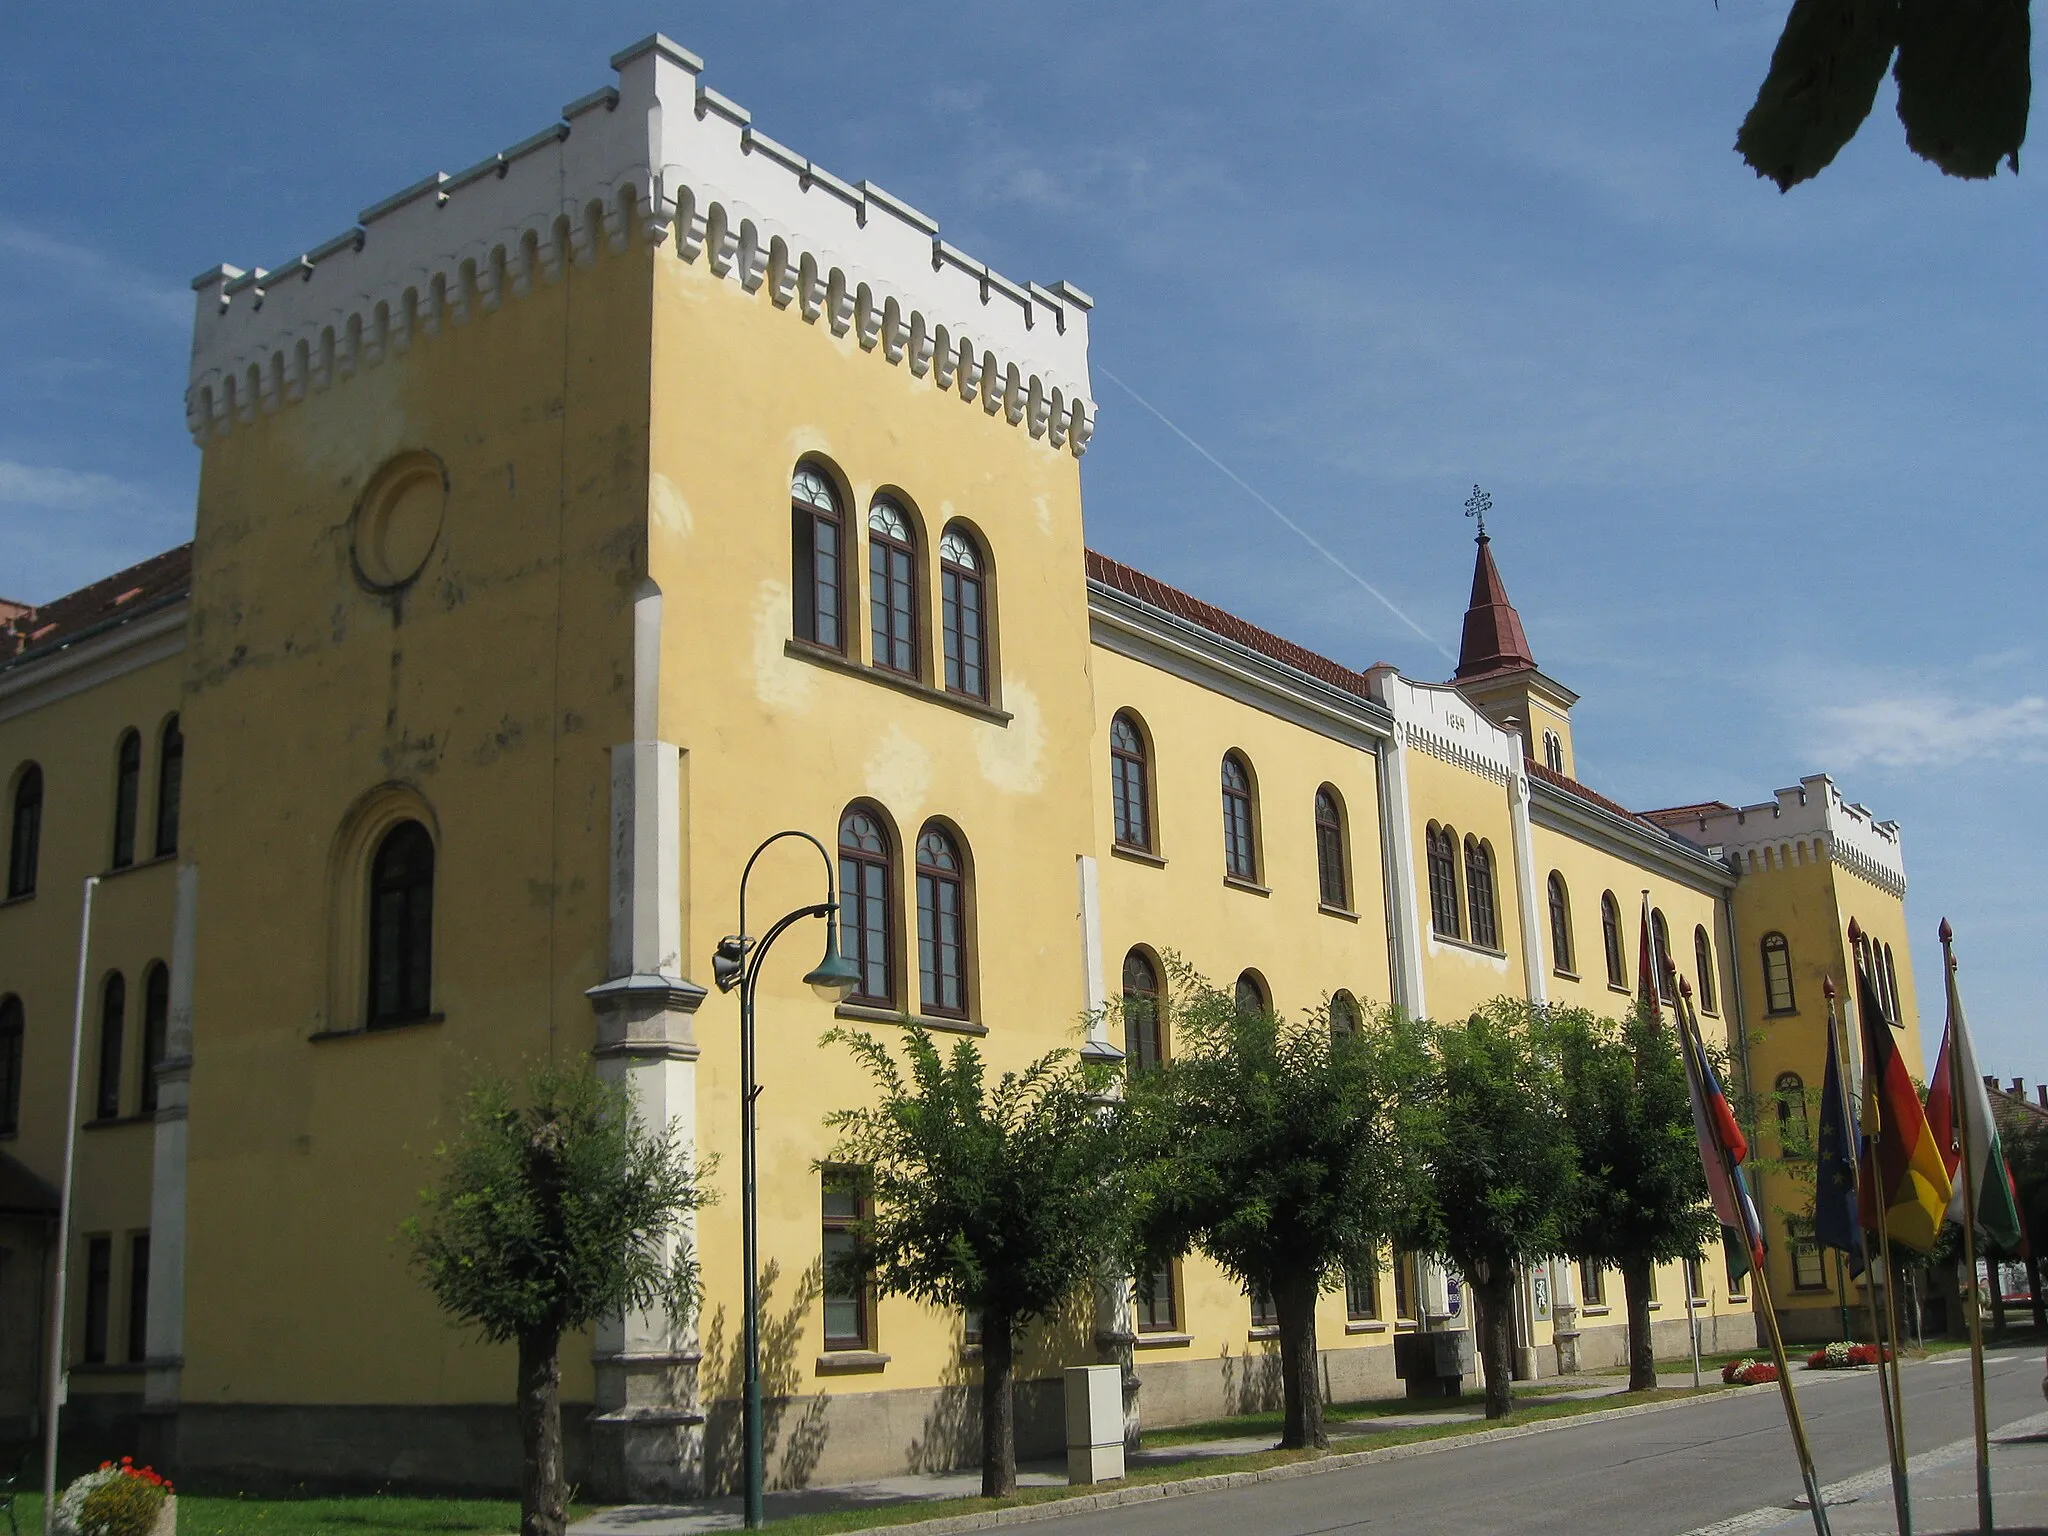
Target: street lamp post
[738,964]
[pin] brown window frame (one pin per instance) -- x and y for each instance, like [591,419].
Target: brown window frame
[867,907]
[964,617]
[127,798]
[1333,869]
[113,1035]
[1795,1142]
[1801,1247]
[1346,1017]
[893,595]
[1610,941]
[1362,1293]
[809,581]
[1240,820]
[1260,998]
[1407,1288]
[1592,1283]
[1130,785]
[1480,896]
[1703,962]
[400,981]
[1660,949]
[1144,1013]
[1440,852]
[1776,944]
[1562,959]
[941,955]
[1264,1309]
[25,832]
[1145,1299]
[835,1225]
[170,785]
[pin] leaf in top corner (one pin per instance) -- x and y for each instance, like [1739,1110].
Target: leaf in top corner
[1964,82]
[1824,77]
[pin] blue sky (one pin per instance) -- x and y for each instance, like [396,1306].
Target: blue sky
[1761,465]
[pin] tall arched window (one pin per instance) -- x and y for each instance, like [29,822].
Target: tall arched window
[402,927]
[156,1026]
[1130,784]
[1251,995]
[1441,844]
[1610,938]
[1144,1020]
[1795,1137]
[818,545]
[1479,897]
[941,924]
[1778,974]
[1660,944]
[170,786]
[26,841]
[963,612]
[1346,1017]
[1703,963]
[13,1027]
[1891,987]
[1560,925]
[113,1022]
[127,797]
[892,588]
[865,892]
[1240,835]
[1332,877]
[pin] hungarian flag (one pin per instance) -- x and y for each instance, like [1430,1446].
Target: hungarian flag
[1834,1182]
[1722,1149]
[1904,1175]
[1987,1198]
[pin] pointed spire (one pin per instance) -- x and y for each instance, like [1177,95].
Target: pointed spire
[1494,641]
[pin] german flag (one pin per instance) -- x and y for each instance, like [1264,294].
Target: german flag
[1902,1165]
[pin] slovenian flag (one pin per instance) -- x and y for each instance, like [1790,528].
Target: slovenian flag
[1722,1150]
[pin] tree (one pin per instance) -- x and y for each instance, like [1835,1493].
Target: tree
[1002,1203]
[1962,69]
[1641,1192]
[1499,1166]
[1273,1148]
[546,1219]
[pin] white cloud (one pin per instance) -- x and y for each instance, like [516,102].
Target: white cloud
[143,292]
[55,489]
[1932,730]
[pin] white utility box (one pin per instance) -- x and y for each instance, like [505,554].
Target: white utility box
[1095,1423]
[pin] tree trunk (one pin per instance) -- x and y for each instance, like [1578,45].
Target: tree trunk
[1991,1268]
[543,1491]
[998,1422]
[1642,1348]
[2034,1291]
[1497,1339]
[1301,1382]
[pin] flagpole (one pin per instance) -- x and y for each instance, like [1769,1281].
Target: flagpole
[1985,1522]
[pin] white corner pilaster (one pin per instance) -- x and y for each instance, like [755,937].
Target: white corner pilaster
[1397,867]
[164,1326]
[1533,968]
[1095,995]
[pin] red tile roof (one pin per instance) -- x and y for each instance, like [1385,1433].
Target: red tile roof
[1677,815]
[108,600]
[1557,780]
[1494,641]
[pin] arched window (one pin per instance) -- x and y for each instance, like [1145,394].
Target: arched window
[1794,1133]
[1553,751]
[963,613]
[1891,987]
[13,1026]
[1144,1020]
[27,833]
[1703,963]
[1332,877]
[1610,937]
[1130,783]
[1479,893]
[941,924]
[1251,995]
[127,797]
[113,1020]
[865,892]
[818,543]
[1777,974]
[892,588]
[1346,1018]
[170,786]
[1560,924]
[1240,838]
[402,927]
[156,1025]
[1441,844]
[1660,945]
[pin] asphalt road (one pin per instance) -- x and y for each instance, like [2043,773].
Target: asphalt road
[1654,1474]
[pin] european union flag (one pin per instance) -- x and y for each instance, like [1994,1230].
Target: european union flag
[1834,1182]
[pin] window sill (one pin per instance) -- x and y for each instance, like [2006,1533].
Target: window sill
[1468,945]
[805,650]
[1406,1325]
[1615,986]
[18,901]
[1656,1306]
[870,1015]
[1136,855]
[108,1122]
[1597,1309]
[1781,1013]
[1564,975]
[396,1027]
[1251,887]
[1365,1325]
[1701,1303]
[1262,1331]
[1162,1340]
[109,1368]
[1346,913]
[116,871]
[846,1362]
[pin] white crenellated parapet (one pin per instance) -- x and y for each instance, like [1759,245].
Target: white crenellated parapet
[1810,823]
[663,158]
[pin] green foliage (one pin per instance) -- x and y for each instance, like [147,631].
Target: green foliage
[557,1214]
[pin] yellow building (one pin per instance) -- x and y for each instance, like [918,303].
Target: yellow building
[567,526]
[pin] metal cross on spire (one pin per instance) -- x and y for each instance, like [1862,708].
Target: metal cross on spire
[1477,505]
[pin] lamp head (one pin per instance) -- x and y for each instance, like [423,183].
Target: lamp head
[835,976]
[729,964]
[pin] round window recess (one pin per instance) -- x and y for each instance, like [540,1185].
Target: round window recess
[398,520]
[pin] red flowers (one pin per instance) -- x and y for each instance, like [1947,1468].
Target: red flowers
[149,1475]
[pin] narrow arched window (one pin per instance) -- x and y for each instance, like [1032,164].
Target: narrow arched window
[26,841]
[1610,938]
[170,786]
[865,893]
[156,1028]
[963,613]
[1778,974]
[1240,838]
[1332,877]
[1553,751]
[818,545]
[113,1024]
[1250,994]
[1441,844]
[1479,896]
[127,797]
[892,589]
[941,924]
[1891,987]
[1130,783]
[1346,1018]
[1794,1133]
[1560,925]
[1660,945]
[1703,963]
[13,1029]
[1144,1015]
[402,927]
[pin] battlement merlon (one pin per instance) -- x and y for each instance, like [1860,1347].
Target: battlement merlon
[1811,817]
[666,157]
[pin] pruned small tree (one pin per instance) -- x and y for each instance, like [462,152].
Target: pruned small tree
[1500,1171]
[1641,1194]
[545,1219]
[1273,1148]
[1001,1201]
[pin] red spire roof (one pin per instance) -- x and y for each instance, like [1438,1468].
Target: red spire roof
[1494,641]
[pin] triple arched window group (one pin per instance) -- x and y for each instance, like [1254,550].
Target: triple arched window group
[1614,951]
[25,821]
[825,588]
[1145,1010]
[1463,901]
[870,887]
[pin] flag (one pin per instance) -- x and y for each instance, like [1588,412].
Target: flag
[1988,1199]
[1649,968]
[1722,1149]
[1904,1175]
[1834,1182]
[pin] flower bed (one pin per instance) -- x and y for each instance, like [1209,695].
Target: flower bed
[1844,1357]
[1747,1373]
[119,1499]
